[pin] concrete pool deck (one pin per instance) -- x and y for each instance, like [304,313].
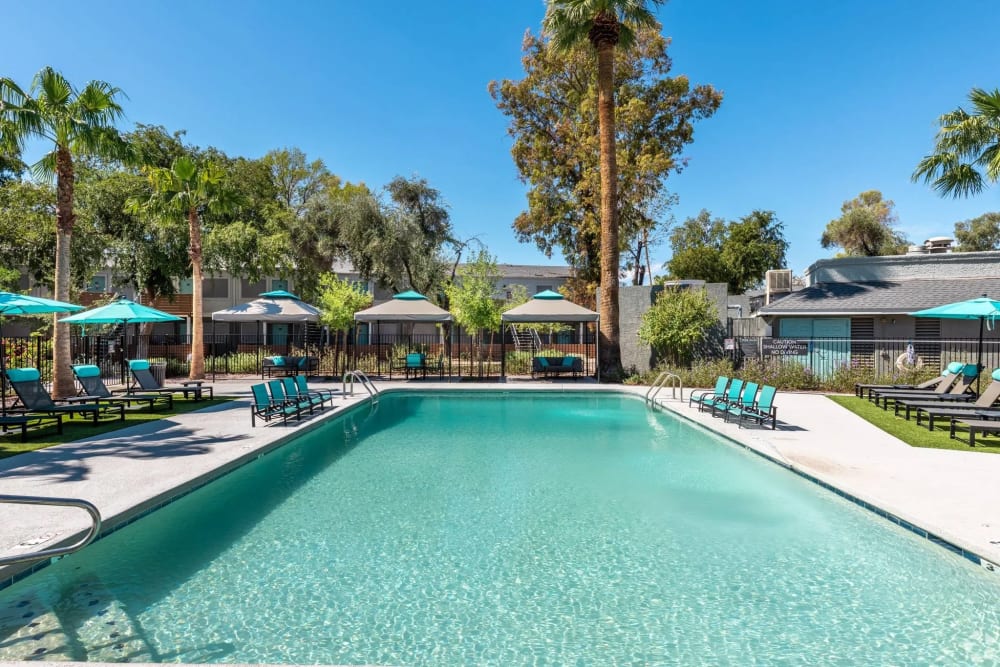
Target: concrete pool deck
[953,494]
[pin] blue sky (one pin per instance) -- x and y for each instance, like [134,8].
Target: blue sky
[822,99]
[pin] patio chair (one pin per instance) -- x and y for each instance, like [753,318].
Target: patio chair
[293,392]
[983,426]
[747,399]
[27,384]
[731,396]
[763,410]
[416,362]
[278,395]
[264,407]
[144,378]
[300,380]
[956,390]
[949,372]
[91,384]
[702,395]
[984,406]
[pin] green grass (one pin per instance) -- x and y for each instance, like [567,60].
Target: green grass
[913,435]
[78,427]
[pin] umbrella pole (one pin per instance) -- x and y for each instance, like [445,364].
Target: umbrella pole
[3,372]
[979,354]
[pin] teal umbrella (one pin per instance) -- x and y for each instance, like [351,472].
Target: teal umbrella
[23,304]
[984,309]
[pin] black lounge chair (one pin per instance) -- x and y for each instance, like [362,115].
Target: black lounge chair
[91,384]
[23,422]
[32,395]
[984,406]
[147,383]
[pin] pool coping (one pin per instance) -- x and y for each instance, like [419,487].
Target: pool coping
[11,574]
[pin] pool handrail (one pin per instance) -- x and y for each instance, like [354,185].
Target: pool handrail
[658,384]
[363,380]
[58,552]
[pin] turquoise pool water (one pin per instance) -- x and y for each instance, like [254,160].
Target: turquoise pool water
[509,529]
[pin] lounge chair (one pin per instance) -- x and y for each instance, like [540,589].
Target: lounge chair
[23,422]
[731,396]
[144,378]
[702,395]
[300,380]
[982,406]
[747,399]
[91,384]
[264,407]
[27,384]
[278,395]
[954,367]
[957,390]
[293,392]
[763,410]
[975,426]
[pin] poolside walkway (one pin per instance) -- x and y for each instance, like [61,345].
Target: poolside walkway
[954,494]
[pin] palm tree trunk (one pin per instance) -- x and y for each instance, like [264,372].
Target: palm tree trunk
[62,373]
[197,371]
[611,354]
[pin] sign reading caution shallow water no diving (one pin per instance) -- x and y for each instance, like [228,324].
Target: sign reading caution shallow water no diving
[783,347]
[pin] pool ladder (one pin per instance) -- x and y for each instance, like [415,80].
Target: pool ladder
[661,380]
[95,527]
[363,380]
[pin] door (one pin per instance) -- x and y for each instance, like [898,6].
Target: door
[829,341]
[279,334]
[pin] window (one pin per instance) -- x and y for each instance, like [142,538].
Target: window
[215,288]
[98,283]
[279,284]
[24,283]
[249,290]
[362,285]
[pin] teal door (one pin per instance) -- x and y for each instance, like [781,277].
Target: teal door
[829,342]
[279,334]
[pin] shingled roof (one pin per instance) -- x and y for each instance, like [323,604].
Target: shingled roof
[880,297]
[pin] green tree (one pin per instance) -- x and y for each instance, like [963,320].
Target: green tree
[982,233]
[967,148]
[865,227]
[680,324]
[754,245]
[606,25]
[697,249]
[472,299]
[76,123]
[338,301]
[181,194]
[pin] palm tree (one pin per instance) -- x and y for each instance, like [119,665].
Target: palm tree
[606,25]
[967,148]
[181,193]
[77,123]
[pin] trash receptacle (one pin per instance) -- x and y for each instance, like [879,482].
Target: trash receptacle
[159,371]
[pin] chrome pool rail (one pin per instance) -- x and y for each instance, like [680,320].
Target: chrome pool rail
[363,380]
[659,383]
[58,552]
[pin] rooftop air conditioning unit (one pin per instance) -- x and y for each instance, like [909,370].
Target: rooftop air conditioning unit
[778,283]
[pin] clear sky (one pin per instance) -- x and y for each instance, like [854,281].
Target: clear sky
[822,99]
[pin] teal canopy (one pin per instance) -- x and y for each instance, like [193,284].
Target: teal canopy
[279,294]
[982,308]
[121,311]
[23,304]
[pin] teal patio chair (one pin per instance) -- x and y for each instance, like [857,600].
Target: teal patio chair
[746,401]
[731,396]
[763,410]
[702,395]
[278,395]
[265,408]
[304,387]
[293,392]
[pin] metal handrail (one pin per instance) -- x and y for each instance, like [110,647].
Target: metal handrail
[361,378]
[659,383]
[58,552]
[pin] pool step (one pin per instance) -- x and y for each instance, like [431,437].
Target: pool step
[32,629]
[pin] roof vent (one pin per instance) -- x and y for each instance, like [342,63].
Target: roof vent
[938,244]
[916,250]
[778,282]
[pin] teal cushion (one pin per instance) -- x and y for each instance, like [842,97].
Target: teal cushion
[996,374]
[302,362]
[138,365]
[955,367]
[414,359]
[87,371]
[543,362]
[970,371]
[23,374]
[278,361]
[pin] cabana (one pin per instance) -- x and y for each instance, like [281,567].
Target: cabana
[407,306]
[547,306]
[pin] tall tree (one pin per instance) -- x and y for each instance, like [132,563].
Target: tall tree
[473,301]
[338,301]
[982,233]
[967,149]
[76,123]
[183,193]
[865,227]
[697,249]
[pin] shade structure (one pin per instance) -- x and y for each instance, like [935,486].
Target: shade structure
[279,306]
[122,311]
[983,308]
[23,304]
[405,307]
[549,306]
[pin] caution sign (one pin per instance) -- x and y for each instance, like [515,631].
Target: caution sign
[783,347]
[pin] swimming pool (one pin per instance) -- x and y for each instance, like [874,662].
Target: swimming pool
[505,529]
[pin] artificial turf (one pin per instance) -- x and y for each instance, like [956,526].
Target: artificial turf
[913,435]
[79,427]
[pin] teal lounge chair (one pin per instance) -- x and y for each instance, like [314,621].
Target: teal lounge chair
[149,384]
[267,409]
[278,395]
[746,401]
[956,390]
[702,395]
[27,384]
[91,384]
[293,392]
[763,410]
[300,380]
[731,396]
